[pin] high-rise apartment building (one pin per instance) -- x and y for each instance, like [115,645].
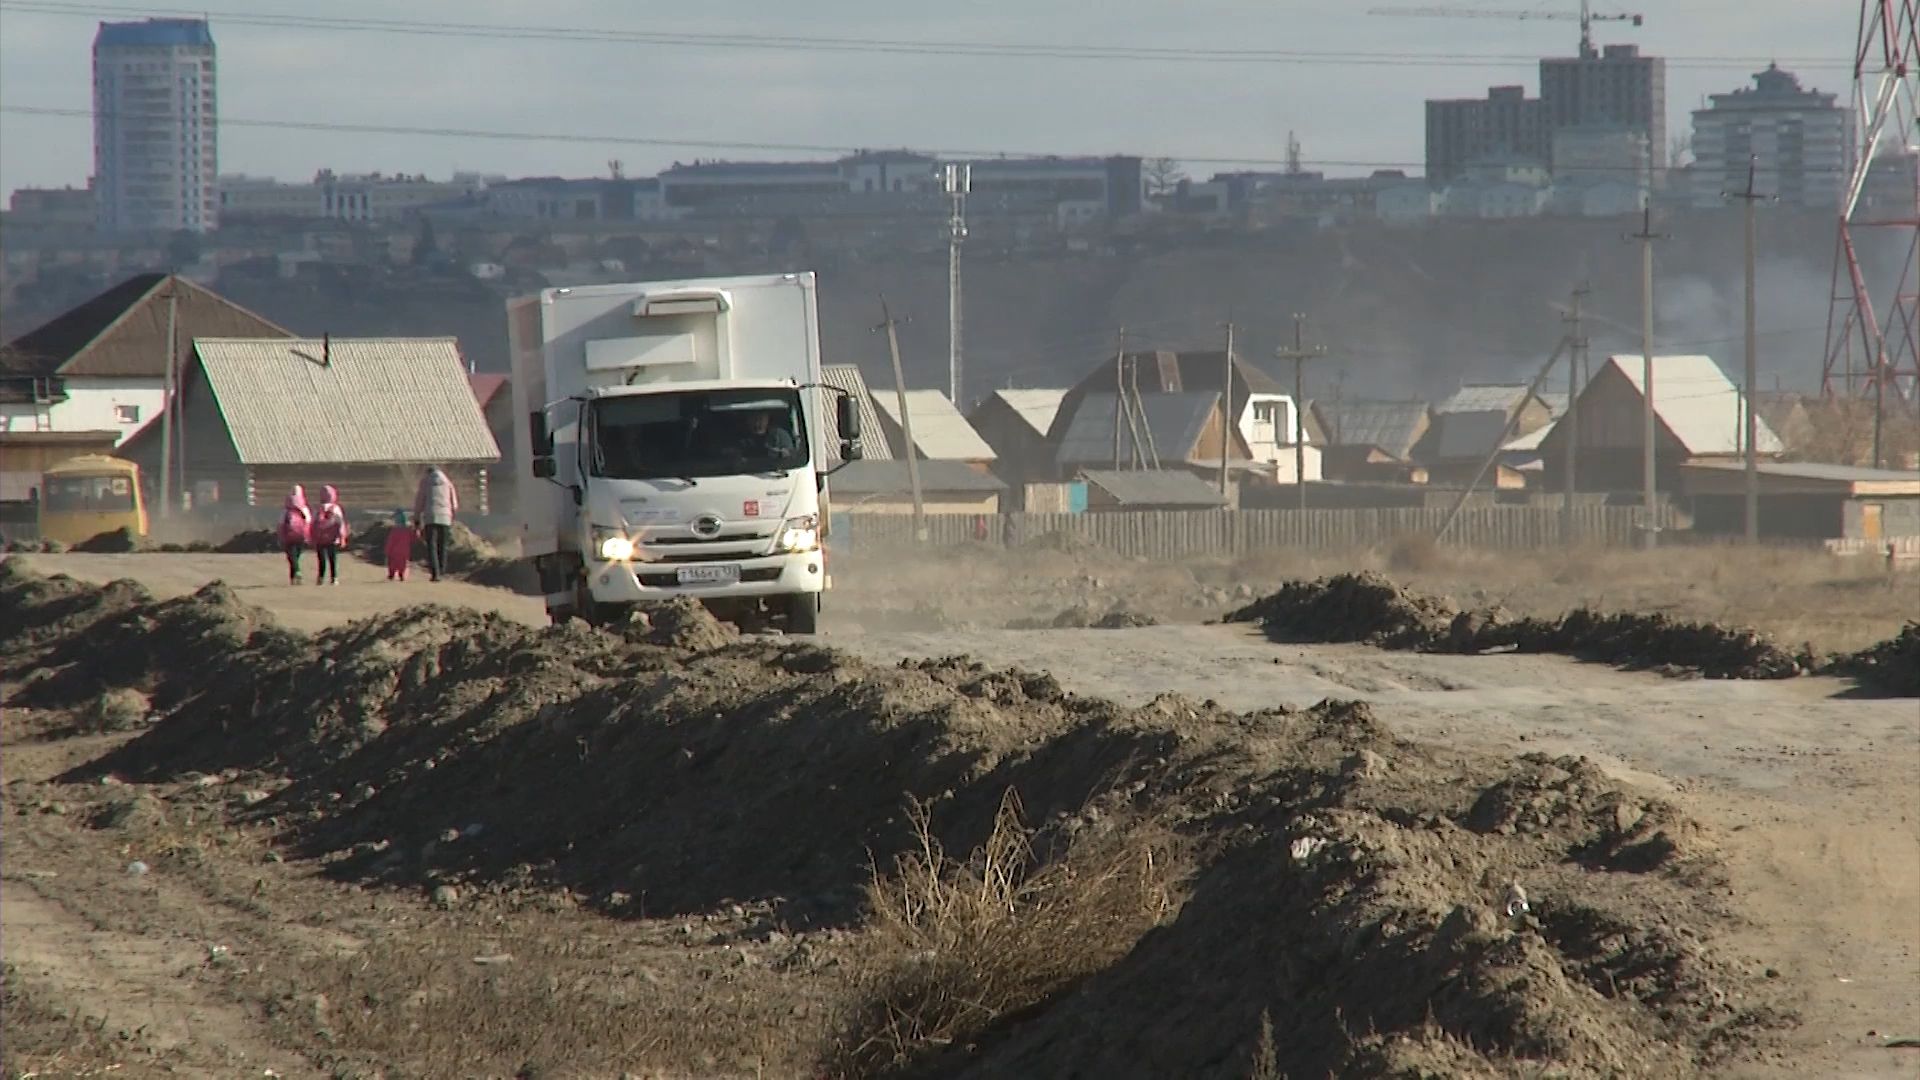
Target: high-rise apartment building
[1611,87]
[1505,124]
[1797,140]
[155,131]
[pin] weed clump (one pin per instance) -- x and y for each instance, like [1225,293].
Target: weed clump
[956,946]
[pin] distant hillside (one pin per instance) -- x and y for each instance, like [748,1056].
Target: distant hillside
[1404,312]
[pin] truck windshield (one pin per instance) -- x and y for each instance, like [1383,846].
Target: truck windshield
[696,433]
[93,494]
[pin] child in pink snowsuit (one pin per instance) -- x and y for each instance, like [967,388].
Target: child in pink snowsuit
[295,530]
[399,547]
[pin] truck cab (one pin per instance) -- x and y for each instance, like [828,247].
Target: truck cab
[675,434]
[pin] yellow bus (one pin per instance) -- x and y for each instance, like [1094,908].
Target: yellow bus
[82,497]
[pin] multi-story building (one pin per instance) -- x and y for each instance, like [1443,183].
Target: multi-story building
[1797,140]
[1506,123]
[368,197]
[155,127]
[52,208]
[1612,87]
[1115,186]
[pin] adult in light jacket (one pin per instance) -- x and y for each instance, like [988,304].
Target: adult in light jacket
[434,506]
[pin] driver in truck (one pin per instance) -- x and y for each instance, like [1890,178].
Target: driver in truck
[764,438]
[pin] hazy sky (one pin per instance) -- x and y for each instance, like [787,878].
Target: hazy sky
[1351,114]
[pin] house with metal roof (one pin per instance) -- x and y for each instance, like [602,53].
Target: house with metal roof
[367,415]
[873,437]
[1698,418]
[940,433]
[1475,420]
[1160,431]
[1261,411]
[1373,441]
[88,379]
[1804,500]
[1149,489]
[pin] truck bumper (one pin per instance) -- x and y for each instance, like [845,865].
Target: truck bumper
[652,582]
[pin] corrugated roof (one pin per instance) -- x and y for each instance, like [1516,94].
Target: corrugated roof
[1393,426]
[890,478]
[1696,401]
[1484,397]
[1154,487]
[1469,435]
[1528,443]
[873,437]
[122,332]
[375,400]
[939,431]
[1175,422]
[1035,408]
[1813,470]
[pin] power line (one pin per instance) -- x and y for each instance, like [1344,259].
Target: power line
[668,142]
[911,47]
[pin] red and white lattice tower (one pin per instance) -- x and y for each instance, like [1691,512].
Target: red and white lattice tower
[1869,348]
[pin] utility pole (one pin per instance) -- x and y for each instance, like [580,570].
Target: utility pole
[166,402]
[1648,425]
[1571,435]
[889,323]
[959,180]
[1119,394]
[1299,354]
[1749,421]
[1226,412]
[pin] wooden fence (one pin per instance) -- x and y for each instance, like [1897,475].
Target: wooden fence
[1180,534]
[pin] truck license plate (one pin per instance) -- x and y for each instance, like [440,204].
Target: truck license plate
[725,574]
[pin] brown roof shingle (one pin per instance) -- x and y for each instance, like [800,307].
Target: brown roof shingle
[123,332]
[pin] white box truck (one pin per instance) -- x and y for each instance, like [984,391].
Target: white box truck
[674,431]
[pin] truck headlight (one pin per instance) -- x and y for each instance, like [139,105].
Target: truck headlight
[799,534]
[612,545]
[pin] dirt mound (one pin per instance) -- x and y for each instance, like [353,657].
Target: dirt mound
[119,541]
[1891,667]
[34,547]
[1363,607]
[680,623]
[1372,907]
[1082,617]
[1369,608]
[250,542]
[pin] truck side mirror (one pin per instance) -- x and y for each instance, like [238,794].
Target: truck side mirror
[849,450]
[542,438]
[847,418]
[543,468]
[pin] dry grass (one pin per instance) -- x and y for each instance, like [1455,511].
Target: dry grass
[44,1041]
[115,710]
[957,947]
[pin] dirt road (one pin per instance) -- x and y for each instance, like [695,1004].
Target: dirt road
[1810,791]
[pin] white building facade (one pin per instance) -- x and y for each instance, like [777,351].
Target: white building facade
[1797,139]
[155,126]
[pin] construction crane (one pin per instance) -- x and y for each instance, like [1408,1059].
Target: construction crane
[1586,16]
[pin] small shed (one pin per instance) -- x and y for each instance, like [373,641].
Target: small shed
[1373,441]
[1149,489]
[1805,501]
[885,487]
[365,415]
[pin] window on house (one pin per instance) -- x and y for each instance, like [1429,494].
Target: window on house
[126,414]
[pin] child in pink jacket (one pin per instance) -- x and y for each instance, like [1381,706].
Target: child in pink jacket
[399,547]
[295,529]
[330,534]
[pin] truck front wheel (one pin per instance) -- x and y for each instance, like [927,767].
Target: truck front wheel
[803,613]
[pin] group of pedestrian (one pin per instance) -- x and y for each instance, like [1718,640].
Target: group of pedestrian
[326,531]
